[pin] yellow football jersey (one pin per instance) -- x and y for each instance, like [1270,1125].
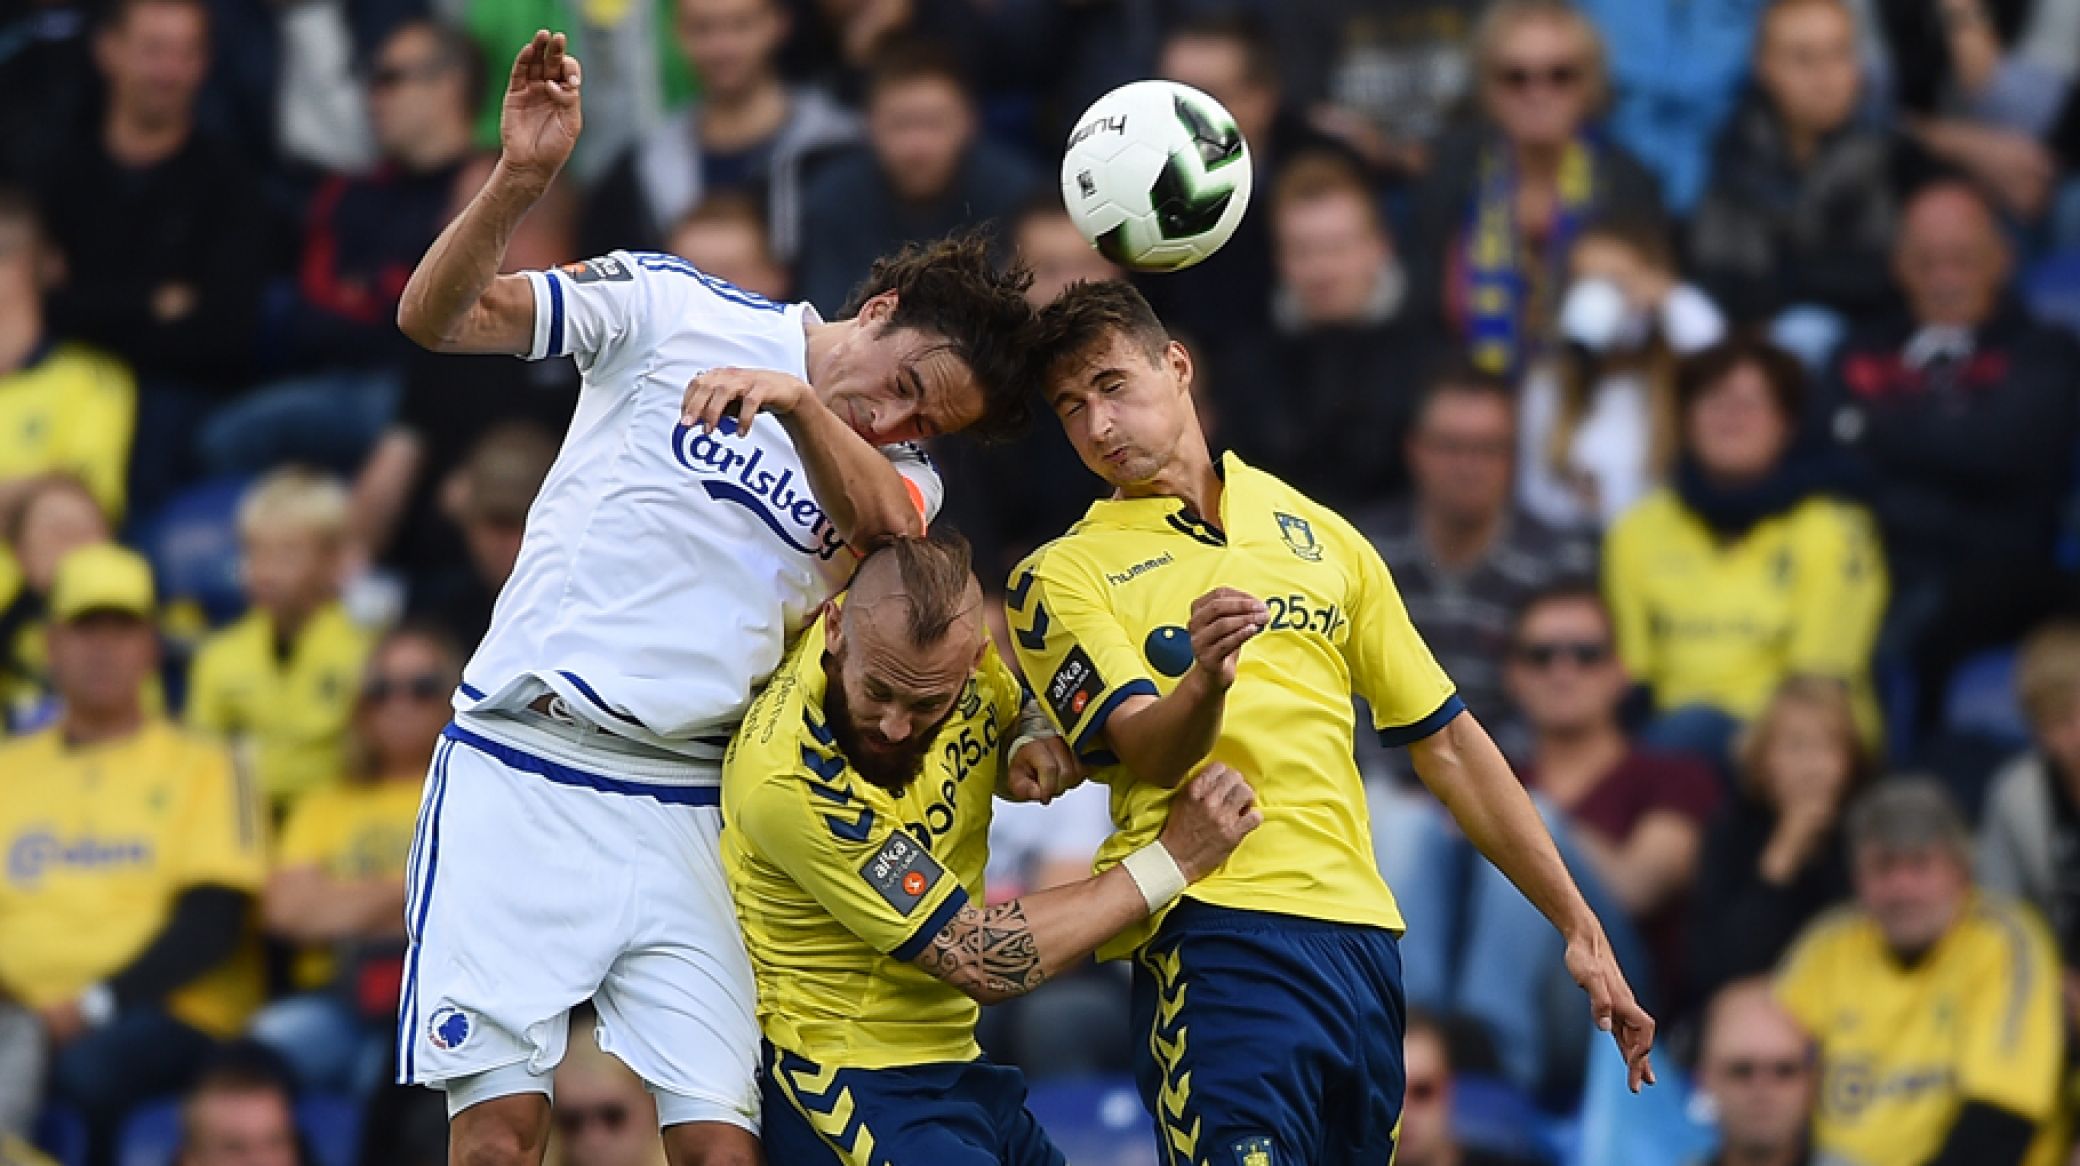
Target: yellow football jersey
[101,841]
[1099,615]
[291,712]
[1903,1048]
[1703,622]
[839,883]
[71,409]
[360,830]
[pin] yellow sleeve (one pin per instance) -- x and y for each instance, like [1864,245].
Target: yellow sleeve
[1391,666]
[208,712]
[867,871]
[310,838]
[1080,660]
[2011,1032]
[221,838]
[99,425]
[1838,597]
[998,685]
[1623,572]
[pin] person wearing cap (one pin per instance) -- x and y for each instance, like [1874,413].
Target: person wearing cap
[133,854]
[1934,1005]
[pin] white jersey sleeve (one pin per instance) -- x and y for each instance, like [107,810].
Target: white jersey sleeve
[593,311]
[922,473]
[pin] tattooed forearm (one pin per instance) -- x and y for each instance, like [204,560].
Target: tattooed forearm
[988,953]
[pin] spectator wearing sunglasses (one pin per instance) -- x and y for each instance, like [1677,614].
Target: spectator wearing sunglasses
[1427,1136]
[1630,824]
[1758,1069]
[337,892]
[604,1115]
[1773,858]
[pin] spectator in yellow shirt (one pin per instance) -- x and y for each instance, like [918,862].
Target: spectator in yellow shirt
[338,891]
[1743,570]
[63,406]
[53,515]
[133,855]
[1935,1006]
[280,683]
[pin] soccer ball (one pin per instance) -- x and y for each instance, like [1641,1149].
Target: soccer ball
[1156,175]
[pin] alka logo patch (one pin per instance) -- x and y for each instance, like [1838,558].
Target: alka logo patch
[1072,688]
[779,499]
[605,269]
[447,1028]
[902,872]
[1298,535]
[1256,1151]
[40,851]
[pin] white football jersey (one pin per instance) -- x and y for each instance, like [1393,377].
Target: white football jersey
[664,570]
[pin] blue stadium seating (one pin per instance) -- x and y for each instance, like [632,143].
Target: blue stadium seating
[60,1134]
[331,1127]
[1489,1113]
[192,542]
[152,1136]
[1097,1121]
[1981,700]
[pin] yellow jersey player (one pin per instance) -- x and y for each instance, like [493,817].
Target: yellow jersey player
[1209,613]
[856,798]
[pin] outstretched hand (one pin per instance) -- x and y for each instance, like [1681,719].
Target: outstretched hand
[539,123]
[1611,1004]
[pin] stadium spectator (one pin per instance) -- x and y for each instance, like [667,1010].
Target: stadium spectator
[1743,570]
[1427,1134]
[1758,1069]
[1343,346]
[486,499]
[1935,1006]
[136,854]
[337,891]
[726,237]
[1390,82]
[927,172]
[1961,415]
[165,237]
[279,683]
[1629,821]
[2029,837]
[63,406]
[239,1115]
[749,133]
[1048,240]
[1804,196]
[1982,83]
[1464,558]
[1599,425]
[1773,858]
[51,517]
[1229,56]
[1499,213]
[604,1116]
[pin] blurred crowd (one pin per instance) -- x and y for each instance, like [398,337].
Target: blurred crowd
[1708,374]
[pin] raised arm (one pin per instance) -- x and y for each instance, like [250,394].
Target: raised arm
[995,953]
[1161,739]
[455,300]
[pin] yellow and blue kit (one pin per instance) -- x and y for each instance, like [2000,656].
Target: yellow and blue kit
[288,702]
[839,885]
[1271,994]
[1905,1046]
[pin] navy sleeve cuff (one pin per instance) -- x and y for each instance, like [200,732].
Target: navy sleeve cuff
[933,925]
[1087,741]
[1395,738]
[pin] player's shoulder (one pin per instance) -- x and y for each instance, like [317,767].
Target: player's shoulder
[1069,558]
[671,273]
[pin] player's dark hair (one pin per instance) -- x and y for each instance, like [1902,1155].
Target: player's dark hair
[955,288]
[899,59]
[1704,371]
[1577,590]
[1241,27]
[1085,314]
[937,575]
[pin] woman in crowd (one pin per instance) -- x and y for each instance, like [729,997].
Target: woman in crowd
[1743,570]
[1774,858]
[52,515]
[338,890]
[1497,217]
[1598,426]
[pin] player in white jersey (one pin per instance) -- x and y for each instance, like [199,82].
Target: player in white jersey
[567,840]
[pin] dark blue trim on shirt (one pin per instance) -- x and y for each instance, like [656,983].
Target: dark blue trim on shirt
[555,314]
[511,758]
[1139,686]
[1410,734]
[933,925]
[472,691]
[578,682]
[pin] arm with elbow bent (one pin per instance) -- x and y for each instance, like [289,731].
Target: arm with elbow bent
[1464,769]
[1161,739]
[996,953]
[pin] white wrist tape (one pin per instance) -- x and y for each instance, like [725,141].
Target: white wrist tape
[1033,725]
[1157,875]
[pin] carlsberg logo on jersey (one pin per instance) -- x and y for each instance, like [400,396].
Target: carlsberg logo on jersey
[780,499]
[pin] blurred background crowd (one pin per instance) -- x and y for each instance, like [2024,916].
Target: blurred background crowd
[1705,370]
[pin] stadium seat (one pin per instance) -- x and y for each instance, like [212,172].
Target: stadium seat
[60,1134]
[151,1136]
[1981,699]
[331,1126]
[1659,1126]
[192,542]
[1489,1113]
[1096,1121]
[2052,289]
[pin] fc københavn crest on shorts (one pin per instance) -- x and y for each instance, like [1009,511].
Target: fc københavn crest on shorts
[447,1028]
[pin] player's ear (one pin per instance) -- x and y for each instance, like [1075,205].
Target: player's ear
[878,309]
[833,628]
[1178,359]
